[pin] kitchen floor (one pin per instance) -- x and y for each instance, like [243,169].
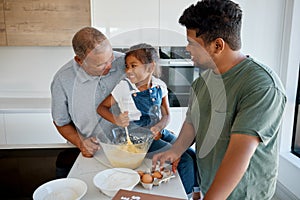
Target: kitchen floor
[23,170]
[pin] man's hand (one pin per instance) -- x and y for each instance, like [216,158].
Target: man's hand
[175,165]
[167,156]
[89,147]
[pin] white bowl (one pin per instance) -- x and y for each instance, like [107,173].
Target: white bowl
[64,189]
[110,181]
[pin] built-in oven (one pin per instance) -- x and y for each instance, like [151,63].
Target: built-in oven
[178,73]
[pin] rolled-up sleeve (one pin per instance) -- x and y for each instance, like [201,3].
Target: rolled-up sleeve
[260,113]
[59,103]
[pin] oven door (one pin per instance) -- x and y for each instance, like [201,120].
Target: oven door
[178,74]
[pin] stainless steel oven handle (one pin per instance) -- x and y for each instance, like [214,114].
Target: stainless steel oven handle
[181,63]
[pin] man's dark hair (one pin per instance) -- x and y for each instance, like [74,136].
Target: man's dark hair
[214,19]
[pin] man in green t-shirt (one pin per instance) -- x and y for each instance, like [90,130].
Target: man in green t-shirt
[235,108]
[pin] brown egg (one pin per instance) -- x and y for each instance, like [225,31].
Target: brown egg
[157,174]
[147,178]
[141,173]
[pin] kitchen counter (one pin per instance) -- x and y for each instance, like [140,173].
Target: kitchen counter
[86,168]
[37,146]
[27,121]
[19,105]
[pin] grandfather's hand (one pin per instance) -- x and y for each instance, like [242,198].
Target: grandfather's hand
[89,146]
[167,156]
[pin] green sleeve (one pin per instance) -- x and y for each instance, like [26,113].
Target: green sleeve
[259,113]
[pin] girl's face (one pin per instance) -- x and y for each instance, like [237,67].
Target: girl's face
[138,72]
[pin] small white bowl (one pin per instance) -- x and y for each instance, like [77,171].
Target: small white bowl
[110,181]
[64,188]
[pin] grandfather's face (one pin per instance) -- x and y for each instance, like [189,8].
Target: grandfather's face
[98,61]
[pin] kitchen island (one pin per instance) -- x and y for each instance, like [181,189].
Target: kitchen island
[86,168]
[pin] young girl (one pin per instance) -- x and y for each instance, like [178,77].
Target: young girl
[143,101]
[142,98]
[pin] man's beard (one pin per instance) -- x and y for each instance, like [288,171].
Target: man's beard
[205,66]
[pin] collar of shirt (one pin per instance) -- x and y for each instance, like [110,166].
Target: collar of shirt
[154,82]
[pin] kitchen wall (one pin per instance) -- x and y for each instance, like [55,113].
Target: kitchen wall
[28,71]
[289,164]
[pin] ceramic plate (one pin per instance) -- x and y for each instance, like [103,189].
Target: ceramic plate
[64,188]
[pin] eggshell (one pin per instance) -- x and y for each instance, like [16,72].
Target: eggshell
[157,174]
[147,178]
[141,173]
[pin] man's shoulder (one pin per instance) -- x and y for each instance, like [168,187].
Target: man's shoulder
[119,62]
[119,57]
[118,54]
[65,69]
[255,68]
[262,75]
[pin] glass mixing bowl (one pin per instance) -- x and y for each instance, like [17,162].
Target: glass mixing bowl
[121,154]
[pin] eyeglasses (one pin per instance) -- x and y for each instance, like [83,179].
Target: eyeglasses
[111,59]
[100,66]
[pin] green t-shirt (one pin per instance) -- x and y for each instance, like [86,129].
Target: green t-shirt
[248,99]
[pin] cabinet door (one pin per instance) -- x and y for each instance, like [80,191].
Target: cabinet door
[2,25]
[43,22]
[126,23]
[171,32]
[2,130]
[31,128]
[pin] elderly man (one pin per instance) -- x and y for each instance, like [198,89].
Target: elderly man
[81,84]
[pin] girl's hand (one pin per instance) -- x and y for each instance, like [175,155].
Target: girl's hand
[122,119]
[156,132]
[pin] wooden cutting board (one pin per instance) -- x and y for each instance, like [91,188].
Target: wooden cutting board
[132,195]
[42,22]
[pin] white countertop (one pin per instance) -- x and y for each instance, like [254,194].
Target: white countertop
[17,105]
[86,168]
[36,146]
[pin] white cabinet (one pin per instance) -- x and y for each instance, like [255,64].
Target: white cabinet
[126,23]
[171,32]
[31,128]
[2,130]
[37,128]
